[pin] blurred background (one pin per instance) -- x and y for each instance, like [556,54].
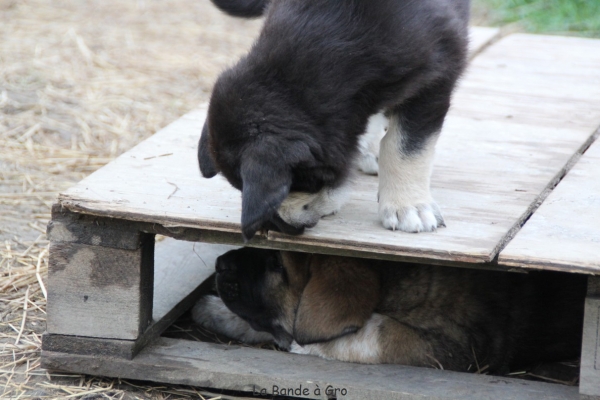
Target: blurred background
[83,81]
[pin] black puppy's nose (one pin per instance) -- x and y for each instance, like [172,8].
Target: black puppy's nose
[223,265]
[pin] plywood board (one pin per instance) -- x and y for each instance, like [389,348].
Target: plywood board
[180,267]
[254,370]
[524,109]
[564,233]
[480,37]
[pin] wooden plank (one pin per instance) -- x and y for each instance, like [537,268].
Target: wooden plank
[564,233]
[589,377]
[480,37]
[520,114]
[99,291]
[534,80]
[180,269]
[70,227]
[249,369]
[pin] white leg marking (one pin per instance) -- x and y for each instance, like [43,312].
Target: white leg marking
[368,144]
[305,209]
[362,346]
[405,202]
[211,313]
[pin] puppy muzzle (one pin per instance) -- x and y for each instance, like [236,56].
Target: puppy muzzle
[278,224]
[227,286]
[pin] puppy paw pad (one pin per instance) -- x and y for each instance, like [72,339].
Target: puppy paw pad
[413,219]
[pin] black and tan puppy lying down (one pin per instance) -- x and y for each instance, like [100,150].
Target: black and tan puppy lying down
[371,311]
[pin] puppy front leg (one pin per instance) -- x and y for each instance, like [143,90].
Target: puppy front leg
[405,201]
[406,163]
[212,314]
[382,340]
[369,142]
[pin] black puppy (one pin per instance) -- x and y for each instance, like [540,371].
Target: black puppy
[283,124]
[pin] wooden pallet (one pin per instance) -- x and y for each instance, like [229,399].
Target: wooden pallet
[521,119]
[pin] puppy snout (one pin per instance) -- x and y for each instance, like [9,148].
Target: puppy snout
[223,266]
[231,290]
[279,224]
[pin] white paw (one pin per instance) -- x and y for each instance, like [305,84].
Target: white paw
[297,349]
[301,209]
[368,163]
[212,314]
[405,201]
[368,144]
[314,349]
[423,217]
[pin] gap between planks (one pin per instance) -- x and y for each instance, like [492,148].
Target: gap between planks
[545,193]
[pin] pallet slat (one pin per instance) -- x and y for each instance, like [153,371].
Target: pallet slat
[564,233]
[481,37]
[507,139]
[248,369]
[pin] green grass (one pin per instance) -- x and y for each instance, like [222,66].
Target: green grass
[567,17]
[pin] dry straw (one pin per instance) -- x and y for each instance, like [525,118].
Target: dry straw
[81,82]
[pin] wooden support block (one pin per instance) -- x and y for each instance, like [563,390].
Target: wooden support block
[589,377]
[99,291]
[71,227]
[181,269]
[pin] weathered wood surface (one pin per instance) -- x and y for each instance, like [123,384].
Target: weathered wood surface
[180,269]
[523,110]
[70,227]
[564,233]
[241,368]
[100,291]
[589,377]
[480,37]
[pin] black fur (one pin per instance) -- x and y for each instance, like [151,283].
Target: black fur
[288,116]
[242,8]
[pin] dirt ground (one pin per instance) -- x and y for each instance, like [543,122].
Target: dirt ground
[80,83]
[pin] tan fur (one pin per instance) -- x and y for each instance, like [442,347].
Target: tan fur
[338,299]
[370,311]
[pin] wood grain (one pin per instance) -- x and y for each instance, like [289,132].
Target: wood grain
[244,369]
[589,377]
[480,37]
[67,226]
[98,291]
[180,269]
[564,233]
[525,107]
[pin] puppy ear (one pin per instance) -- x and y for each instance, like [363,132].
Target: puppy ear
[266,182]
[207,165]
[338,299]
